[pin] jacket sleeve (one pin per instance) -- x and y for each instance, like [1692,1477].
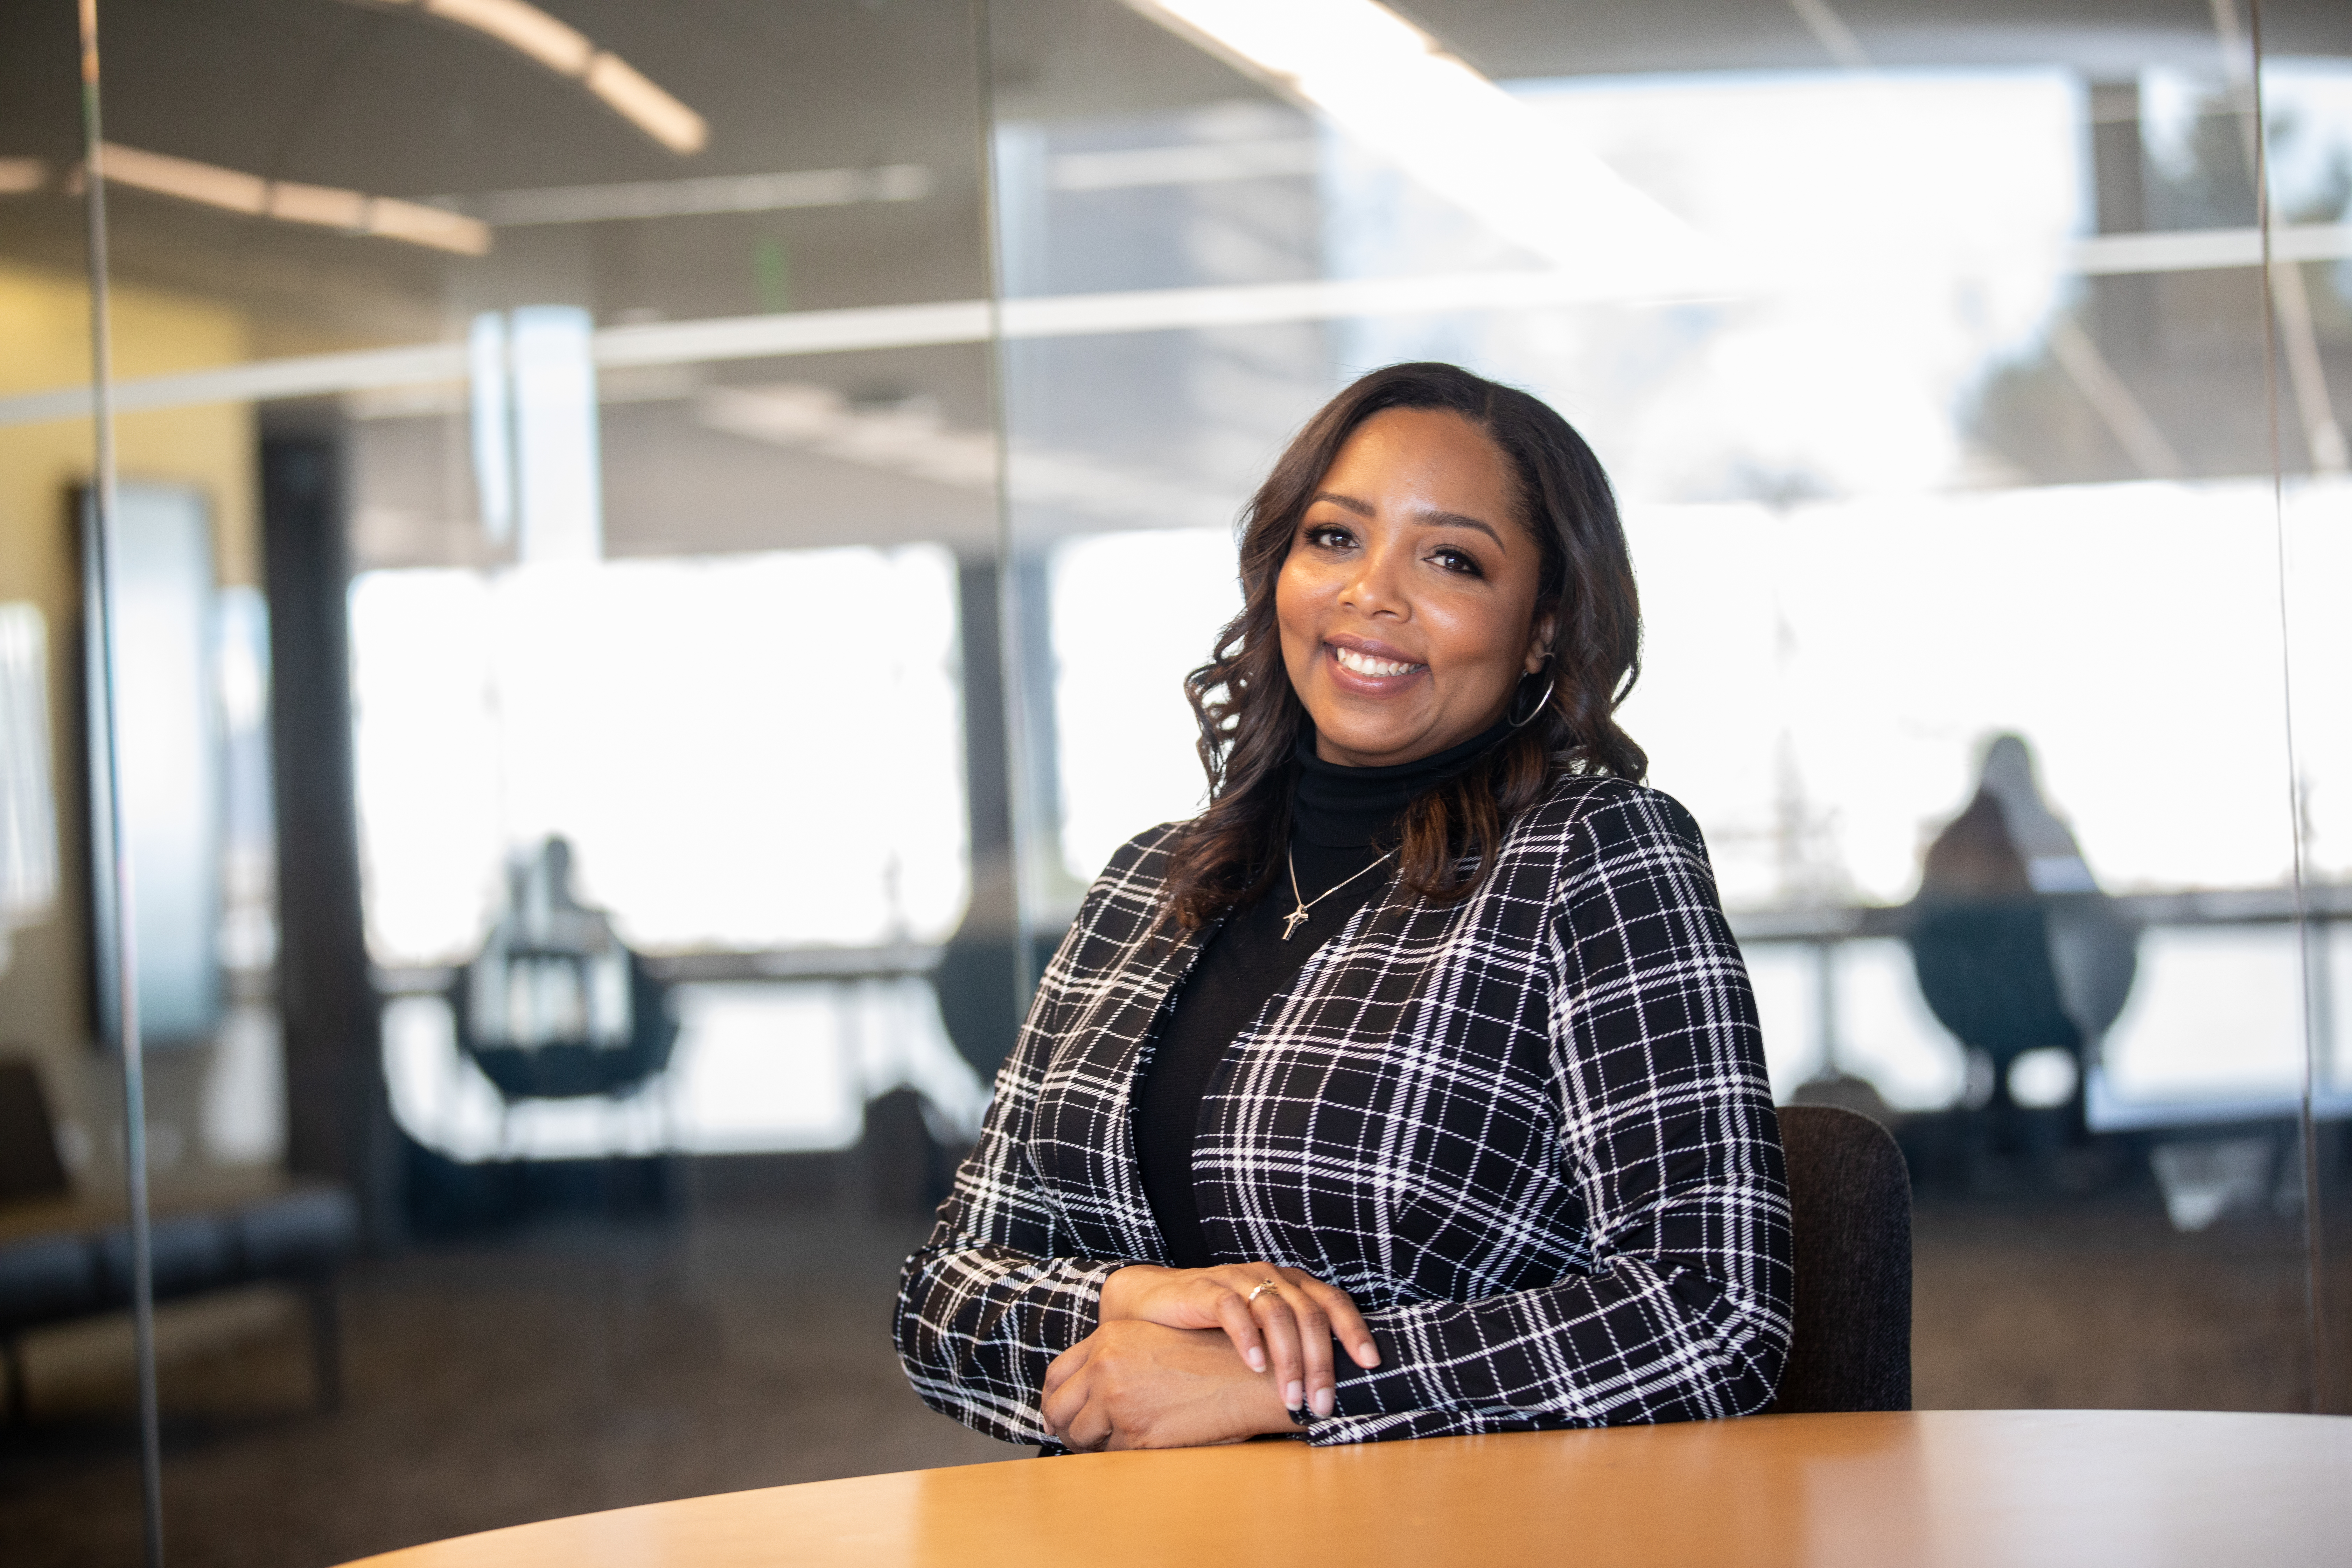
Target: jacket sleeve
[1682,1312]
[988,1302]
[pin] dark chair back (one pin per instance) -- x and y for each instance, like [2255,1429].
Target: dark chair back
[1850,1203]
[29,1139]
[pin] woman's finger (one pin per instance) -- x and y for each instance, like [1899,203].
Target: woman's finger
[1065,1402]
[1278,1322]
[1348,1325]
[1068,1363]
[1234,1315]
[1319,1389]
[1083,1423]
[1090,1429]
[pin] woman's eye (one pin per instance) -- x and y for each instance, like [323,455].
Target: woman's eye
[1329,535]
[1454,560]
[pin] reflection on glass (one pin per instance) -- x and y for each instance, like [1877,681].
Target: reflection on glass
[165,733]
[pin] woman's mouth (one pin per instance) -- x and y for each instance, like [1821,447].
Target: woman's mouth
[1370,666]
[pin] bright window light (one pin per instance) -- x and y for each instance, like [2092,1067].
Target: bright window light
[28,823]
[747,752]
[558,499]
[1119,659]
[492,421]
[1395,89]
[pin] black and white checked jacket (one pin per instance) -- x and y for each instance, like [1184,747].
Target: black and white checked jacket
[1529,1134]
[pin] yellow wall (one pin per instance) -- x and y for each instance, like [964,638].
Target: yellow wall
[44,344]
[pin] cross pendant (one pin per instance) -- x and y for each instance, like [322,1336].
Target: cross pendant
[1291,922]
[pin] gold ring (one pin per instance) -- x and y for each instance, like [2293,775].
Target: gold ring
[1262,1289]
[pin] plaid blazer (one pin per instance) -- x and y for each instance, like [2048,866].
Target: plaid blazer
[1530,1135]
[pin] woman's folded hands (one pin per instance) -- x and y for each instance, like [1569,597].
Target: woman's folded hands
[1188,1357]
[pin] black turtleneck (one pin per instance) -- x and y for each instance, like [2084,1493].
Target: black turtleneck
[1342,820]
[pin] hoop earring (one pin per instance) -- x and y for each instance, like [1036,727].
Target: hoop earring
[1543,699]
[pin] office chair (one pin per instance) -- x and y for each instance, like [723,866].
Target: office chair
[1849,1203]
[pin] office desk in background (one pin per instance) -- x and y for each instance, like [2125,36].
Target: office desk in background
[1967,1486]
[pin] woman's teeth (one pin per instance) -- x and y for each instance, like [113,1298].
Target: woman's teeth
[1365,664]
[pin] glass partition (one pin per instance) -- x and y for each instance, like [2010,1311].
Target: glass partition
[65,1209]
[597,917]
[1928,360]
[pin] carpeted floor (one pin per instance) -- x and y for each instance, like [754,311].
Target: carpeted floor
[580,1366]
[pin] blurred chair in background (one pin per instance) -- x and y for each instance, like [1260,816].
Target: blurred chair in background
[555,1006]
[65,1255]
[2017,950]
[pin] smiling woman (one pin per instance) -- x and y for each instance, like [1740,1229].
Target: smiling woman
[1427,1037]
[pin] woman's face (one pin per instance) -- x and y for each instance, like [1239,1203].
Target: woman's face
[1407,605]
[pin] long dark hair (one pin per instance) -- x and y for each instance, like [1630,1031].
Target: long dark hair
[1251,719]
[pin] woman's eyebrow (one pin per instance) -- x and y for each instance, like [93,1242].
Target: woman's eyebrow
[1431,516]
[1437,519]
[1360,508]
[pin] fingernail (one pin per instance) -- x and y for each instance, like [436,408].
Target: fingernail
[1368,1353]
[1257,1359]
[1325,1402]
[1290,1395]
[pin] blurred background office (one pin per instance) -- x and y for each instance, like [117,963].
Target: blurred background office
[660,542]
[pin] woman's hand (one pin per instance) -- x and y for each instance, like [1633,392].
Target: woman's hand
[1288,1328]
[1133,1384]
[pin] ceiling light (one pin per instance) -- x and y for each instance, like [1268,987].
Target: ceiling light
[568,52]
[322,205]
[523,27]
[183,177]
[1395,89]
[646,106]
[326,206]
[420,224]
[19,175]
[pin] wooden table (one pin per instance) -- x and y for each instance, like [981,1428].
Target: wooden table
[1990,1487]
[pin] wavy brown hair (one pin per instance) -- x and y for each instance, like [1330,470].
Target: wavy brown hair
[1251,719]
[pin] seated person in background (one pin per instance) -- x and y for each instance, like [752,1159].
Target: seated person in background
[1427,1036]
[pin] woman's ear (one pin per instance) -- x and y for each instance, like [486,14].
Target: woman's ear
[1539,642]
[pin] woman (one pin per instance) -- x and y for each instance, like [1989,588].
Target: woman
[1427,1036]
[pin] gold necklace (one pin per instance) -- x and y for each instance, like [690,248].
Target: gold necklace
[1297,917]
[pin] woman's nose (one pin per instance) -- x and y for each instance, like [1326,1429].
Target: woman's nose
[1377,588]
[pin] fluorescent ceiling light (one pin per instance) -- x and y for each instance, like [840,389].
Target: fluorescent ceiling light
[568,52]
[1392,88]
[637,99]
[19,175]
[686,199]
[523,27]
[206,183]
[320,204]
[325,206]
